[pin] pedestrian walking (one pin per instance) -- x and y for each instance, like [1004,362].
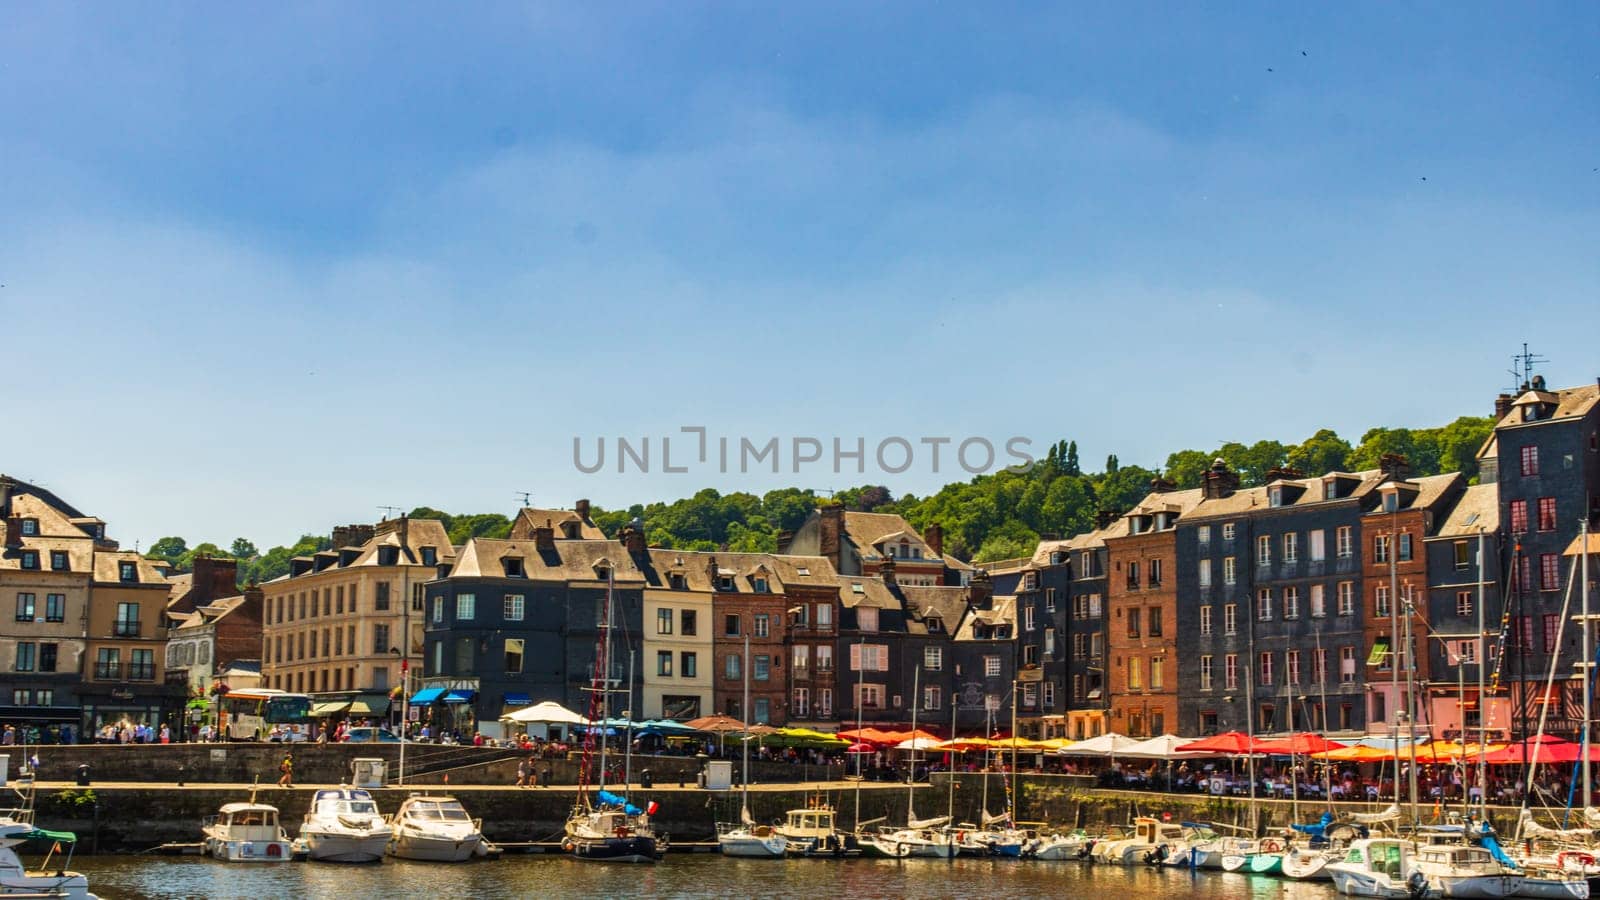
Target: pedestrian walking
[286,768]
[522,773]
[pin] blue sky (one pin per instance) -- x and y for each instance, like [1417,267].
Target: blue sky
[267,270]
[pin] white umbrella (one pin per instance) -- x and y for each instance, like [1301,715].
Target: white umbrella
[1163,747]
[548,712]
[1108,744]
[918,743]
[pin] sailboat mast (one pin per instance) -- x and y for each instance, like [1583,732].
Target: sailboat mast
[603,667]
[744,774]
[861,646]
[1411,705]
[1294,780]
[1391,549]
[627,737]
[1322,687]
[1588,661]
[911,780]
[1483,701]
[1011,782]
[950,757]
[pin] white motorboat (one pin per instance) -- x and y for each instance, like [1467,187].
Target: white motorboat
[1302,863]
[1057,847]
[1208,854]
[16,828]
[246,832]
[1380,867]
[1461,870]
[344,825]
[1152,841]
[814,831]
[435,829]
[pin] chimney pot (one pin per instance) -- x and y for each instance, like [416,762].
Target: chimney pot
[934,538]
[582,509]
[544,537]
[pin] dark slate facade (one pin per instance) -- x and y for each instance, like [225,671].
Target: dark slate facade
[562,590]
[1545,461]
[1465,589]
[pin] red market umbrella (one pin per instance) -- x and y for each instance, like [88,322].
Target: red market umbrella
[1228,742]
[861,748]
[1546,749]
[1299,744]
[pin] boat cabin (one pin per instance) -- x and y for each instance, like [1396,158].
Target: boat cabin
[1154,831]
[809,821]
[1456,857]
[1381,856]
[344,802]
[434,809]
[249,822]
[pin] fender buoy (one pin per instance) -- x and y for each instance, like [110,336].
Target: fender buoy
[1270,845]
[1574,860]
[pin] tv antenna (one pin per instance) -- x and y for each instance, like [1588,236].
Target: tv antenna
[389,511]
[1522,368]
[527,497]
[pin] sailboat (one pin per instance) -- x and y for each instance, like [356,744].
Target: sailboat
[920,837]
[746,838]
[608,828]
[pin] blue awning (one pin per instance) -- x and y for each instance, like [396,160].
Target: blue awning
[462,696]
[426,696]
[517,700]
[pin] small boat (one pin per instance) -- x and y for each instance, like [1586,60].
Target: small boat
[343,825]
[748,839]
[1209,853]
[1302,863]
[16,828]
[1380,867]
[1462,870]
[813,832]
[612,832]
[922,838]
[1057,847]
[1152,842]
[246,832]
[435,829]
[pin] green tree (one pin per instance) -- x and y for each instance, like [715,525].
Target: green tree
[1009,541]
[171,549]
[1185,467]
[1323,452]
[1071,467]
[243,549]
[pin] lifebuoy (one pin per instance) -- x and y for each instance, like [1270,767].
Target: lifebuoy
[622,831]
[1270,845]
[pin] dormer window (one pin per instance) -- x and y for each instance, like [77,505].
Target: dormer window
[128,571]
[513,567]
[58,560]
[802,571]
[1002,632]
[724,582]
[30,527]
[758,584]
[1057,557]
[1330,489]
[935,625]
[867,619]
[856,588]
[1275,496]
[569,530]
[430,556]
[388,556]
[602,572]
[676,581]
[1391,501]
[99,531]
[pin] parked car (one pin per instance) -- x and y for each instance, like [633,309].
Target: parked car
[368,734]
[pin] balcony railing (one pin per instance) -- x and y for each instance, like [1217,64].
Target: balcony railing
[146,672]
[107,671]
[125,629]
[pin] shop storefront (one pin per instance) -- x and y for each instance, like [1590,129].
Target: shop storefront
[448,705]
[120,706]
[43,724]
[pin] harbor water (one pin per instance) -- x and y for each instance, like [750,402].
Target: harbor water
[679,875]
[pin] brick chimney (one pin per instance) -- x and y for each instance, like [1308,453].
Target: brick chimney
[1162,486]
[933,536]
[1104,518]
[1502,406]
[632,540]
[7,488]
[711,571]
[544,537]
[214,579]
[1219,481]
[582,509]
[785,538]
[831,533]
[13,531]
[1394,467]
[980,591]
[886,571]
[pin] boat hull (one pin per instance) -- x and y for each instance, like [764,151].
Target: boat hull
[344,848]
[1478,887]
[70,885]
[248,851]
[1539,888]
[753,846]
[1266,864]
[631,849]
[1364,884]
[1306,866]
[428,848]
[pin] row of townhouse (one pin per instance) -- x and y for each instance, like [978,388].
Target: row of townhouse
[1306,602]
[85,643]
